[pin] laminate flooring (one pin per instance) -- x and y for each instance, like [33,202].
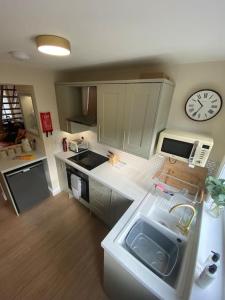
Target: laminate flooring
[52,251]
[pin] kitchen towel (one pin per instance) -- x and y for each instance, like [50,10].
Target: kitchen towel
[76,186]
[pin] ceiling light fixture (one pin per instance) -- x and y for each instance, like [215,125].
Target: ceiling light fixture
[53,45]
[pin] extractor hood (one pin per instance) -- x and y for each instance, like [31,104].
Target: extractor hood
[88,114]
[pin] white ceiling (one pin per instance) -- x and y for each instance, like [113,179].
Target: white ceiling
[114,31]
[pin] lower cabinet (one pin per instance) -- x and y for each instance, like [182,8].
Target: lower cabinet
[100,197]
[119,204]
[106,204]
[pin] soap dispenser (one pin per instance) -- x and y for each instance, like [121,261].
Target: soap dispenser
[214,258]
[206,276]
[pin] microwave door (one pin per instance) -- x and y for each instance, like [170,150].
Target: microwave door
[191,158]
[179,149]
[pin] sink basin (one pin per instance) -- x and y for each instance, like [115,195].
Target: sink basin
[160,215]
[153,248]
[159,251]
[164,218]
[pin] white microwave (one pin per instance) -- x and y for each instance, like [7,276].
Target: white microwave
[188,147]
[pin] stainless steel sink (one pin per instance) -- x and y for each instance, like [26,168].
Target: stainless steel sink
[159,251]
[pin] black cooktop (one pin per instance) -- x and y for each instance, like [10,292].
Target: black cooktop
[88,159]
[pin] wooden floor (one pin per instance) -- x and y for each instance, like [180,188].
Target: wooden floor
[51,252]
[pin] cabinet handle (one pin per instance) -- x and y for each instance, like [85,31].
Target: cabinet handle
[99,132]
[124,137]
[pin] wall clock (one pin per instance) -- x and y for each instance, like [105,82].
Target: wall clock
[203,105]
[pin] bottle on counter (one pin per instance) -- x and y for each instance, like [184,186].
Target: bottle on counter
[33,144]
[214,258]
[207,276]
[26,145]
[64,144]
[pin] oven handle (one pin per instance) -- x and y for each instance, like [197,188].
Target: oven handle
[191,157]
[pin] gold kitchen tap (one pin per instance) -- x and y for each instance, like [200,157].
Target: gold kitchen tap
[185,228]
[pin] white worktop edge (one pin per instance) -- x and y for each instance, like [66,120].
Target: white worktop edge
[12,164]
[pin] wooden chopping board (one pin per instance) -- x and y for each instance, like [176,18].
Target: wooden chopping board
[178,169]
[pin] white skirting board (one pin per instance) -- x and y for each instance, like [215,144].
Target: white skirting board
[54,191]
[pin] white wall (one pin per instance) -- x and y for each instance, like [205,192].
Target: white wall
[188,79]
[43,83]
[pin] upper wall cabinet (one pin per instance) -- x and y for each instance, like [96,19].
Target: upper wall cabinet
[110,109]
[139,118]
[131,115]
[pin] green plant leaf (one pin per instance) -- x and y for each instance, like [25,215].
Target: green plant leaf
[216,188]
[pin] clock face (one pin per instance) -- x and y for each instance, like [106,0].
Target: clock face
[203,105]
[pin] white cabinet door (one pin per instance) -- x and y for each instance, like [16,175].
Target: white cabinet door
[100,197]
[140,113]
[119,204]
[110,106]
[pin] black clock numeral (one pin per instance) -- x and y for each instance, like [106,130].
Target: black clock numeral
[199,115]
[210,96]
[214,106]
[190,105]
[191,110]
[213,101]
[199,96]
[210,111]
[206,115]
[205,95]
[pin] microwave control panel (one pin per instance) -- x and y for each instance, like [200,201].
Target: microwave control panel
[201,155]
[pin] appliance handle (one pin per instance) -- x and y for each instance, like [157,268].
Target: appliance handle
[191,157]
[23,170]
[68,126]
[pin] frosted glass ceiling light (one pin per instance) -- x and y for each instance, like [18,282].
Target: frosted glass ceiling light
[53,45]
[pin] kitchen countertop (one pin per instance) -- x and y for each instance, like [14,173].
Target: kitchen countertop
[123,178]
[143,275]
[9,164]
[209,241]
[135,184]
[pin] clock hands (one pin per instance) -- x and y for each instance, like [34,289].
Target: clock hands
[200,103]
[195,113]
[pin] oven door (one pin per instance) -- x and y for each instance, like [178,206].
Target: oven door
[84,181]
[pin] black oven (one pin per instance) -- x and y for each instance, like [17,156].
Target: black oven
[84,181]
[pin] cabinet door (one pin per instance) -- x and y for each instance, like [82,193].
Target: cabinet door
[69,105]
[110,107]
[140,114]
[119,204]
[100,196]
